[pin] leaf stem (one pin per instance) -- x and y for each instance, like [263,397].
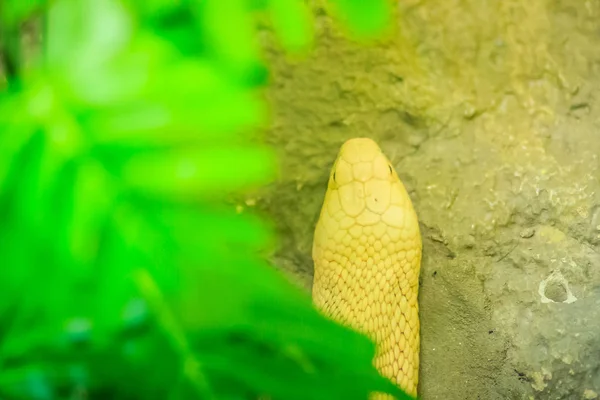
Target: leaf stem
[191,366]
[10,52]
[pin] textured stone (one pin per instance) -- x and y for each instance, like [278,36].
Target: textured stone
[488,113]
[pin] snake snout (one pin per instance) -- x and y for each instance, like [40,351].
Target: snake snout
[359,149]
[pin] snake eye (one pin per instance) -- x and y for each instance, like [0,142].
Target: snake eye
[334,176]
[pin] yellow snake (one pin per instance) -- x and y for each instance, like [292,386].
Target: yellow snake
[367,258]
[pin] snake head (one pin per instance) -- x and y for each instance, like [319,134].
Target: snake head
[364,186]
[367,257]
[360,160]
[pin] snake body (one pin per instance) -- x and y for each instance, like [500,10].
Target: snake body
[367,257]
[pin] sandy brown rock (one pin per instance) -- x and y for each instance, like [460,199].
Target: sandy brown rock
[488,112]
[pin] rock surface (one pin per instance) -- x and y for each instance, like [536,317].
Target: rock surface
[488,111]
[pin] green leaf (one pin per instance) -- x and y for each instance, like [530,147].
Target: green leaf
[83,34]
[116,249]
[364,19]
[199,173]
[13,12]
[213,231]
[93,196]
[12,142]
[292,21]
[229,27]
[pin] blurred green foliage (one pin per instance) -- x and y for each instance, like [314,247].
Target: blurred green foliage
[124,273]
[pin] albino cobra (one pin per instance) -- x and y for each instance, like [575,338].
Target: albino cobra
[367,259]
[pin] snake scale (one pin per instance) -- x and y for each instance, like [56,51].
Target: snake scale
[367,259]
